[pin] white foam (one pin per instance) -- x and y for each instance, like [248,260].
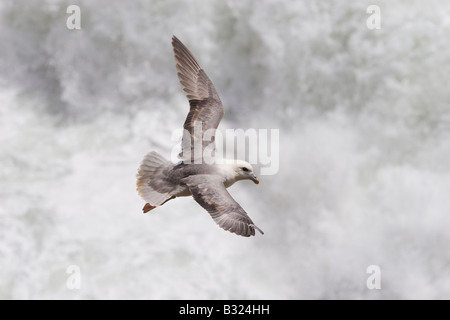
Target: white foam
[364,171]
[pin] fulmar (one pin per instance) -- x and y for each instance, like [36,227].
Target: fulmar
[198,173]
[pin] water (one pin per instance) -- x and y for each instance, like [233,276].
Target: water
[364,121]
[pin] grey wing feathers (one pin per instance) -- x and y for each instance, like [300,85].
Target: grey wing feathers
[212,195]
[206,109]
[193,78]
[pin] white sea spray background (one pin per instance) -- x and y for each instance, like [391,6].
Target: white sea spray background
[364,121]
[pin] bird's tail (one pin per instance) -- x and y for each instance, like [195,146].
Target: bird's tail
[149,180]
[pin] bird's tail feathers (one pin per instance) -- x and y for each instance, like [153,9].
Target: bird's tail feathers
[149,173]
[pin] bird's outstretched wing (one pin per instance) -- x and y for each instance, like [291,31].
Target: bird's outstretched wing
[210,192]
[206,109]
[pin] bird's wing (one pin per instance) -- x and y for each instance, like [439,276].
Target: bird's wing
[210,192]
[206,109]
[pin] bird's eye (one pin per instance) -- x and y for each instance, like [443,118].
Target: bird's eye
[245,169]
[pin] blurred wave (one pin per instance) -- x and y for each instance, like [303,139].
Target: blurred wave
[364,121]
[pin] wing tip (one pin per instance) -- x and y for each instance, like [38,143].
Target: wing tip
[175,39]
[247,231]
[255,227]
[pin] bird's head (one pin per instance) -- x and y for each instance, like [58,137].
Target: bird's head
[244,170]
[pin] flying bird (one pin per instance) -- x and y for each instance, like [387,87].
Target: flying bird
[159,180]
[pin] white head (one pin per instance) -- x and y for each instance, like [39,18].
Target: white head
[239,170]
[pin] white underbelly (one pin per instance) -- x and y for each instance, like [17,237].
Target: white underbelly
[185,192]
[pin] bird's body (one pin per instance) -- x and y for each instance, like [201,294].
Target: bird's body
[199,174]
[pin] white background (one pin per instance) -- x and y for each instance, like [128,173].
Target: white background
[364,177]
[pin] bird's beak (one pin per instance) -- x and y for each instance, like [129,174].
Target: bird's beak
[254,178]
